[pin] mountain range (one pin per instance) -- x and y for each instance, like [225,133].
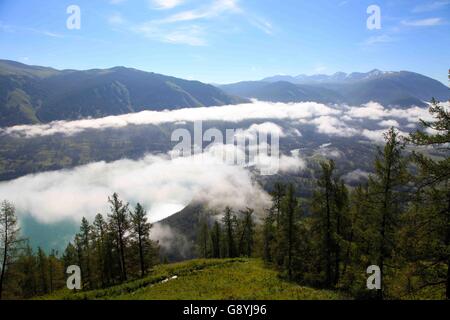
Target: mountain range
[34,94]
[401,88]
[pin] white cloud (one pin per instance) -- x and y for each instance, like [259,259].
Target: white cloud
[266,127]
[233,113]
[356,176]
[389,123]
[161,184]
[165,4]
[188,35]
[371,110]
[333,126]
[430,22]
[336,120]
[213,10]
[378,39]
[192,36]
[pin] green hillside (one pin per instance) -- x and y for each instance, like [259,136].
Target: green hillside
[33,94]
[228,279]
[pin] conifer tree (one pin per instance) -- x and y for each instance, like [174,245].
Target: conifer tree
[140,233]
[387,197]
[246,240]
[288,227]
[433,186]
[229,221]
[119,225]
[99,229]
[85,238]
[9,240]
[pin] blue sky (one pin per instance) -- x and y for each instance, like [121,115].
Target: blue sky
[223,41]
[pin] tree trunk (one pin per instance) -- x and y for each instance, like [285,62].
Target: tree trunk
[141,255]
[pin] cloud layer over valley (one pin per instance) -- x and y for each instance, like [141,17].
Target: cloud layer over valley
[333,120]
[161,184]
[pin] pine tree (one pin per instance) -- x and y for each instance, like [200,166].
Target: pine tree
[119,224]
[433,186]
[99,229]
[289,230]
[387,196]
[341,202]
[85,238]
[70,256]
[246,240]
[9,240]
[326,183]
[229,221]
[140,233]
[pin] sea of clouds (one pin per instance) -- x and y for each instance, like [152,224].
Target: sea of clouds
[163,184]
[334,120]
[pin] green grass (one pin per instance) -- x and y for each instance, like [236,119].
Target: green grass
[230,279]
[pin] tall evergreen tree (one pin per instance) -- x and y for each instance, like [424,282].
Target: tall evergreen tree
[288,227]
[119,224]
[433,184]
[9,240]
[246,240]
[229,221]
[140,233]
[85,238]
[387,196]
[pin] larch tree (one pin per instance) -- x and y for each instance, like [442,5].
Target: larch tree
[387,196]
[229,232]
[119,224]
[9,240]
[433,185]
[140,233]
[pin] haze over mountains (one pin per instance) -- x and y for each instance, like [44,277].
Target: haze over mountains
[33,94]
